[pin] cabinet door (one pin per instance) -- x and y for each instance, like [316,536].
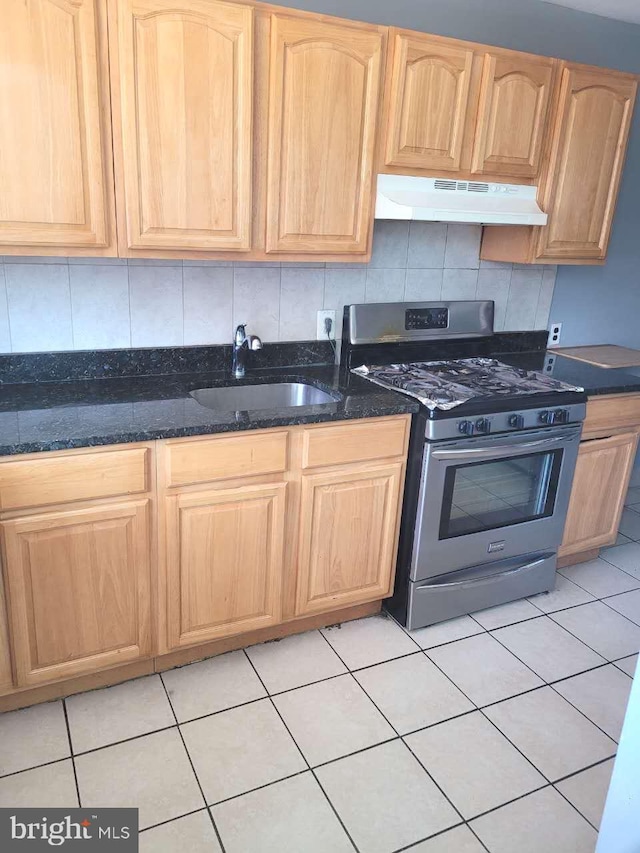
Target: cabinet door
[55,152]
[224,562]
[182,81]
[599,488]
[79,590]
[6,674]
[427,102]
[593,119]
[348,536]
[513,114]
[323,103]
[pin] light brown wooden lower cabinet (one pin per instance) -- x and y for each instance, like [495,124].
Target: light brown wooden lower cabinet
[197,546]
[597,497]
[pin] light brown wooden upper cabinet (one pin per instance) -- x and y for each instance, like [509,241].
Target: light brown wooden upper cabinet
[56,184]
[589,143]
[513,113]
[455,106]
[182,81]
[323,104]
[427,100]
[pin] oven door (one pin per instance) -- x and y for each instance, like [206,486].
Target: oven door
[492,497]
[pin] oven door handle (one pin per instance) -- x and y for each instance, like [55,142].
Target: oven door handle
[504,449]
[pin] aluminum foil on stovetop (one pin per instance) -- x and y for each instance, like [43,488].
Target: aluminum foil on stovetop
[447,384]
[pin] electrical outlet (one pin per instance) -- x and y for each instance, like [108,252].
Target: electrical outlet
[549,363]
[555,330]
[321,332]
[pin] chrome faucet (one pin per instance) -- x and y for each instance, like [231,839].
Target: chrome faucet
[242,343]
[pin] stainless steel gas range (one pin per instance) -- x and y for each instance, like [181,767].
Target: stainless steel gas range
[491,464]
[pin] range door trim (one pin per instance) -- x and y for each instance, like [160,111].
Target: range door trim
[435,554]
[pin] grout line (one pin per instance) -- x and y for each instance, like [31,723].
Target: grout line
[304,757]
[409,847]
[73,761]
[204,799]
[171,820]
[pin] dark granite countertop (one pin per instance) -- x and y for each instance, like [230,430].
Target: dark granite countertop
[595,380]
[41,416]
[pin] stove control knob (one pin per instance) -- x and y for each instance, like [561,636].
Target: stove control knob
[546,417]
[516,421]
[561,416]
[483,425]
[466,427]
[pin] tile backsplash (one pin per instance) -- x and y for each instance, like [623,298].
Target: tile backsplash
[100,303]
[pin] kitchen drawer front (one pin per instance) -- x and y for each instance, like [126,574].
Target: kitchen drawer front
[355,442]
[612,413]
[225,457]
[42,481]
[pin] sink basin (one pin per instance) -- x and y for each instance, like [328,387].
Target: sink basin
[278,395]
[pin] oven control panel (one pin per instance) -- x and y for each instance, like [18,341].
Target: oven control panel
[419,319]
[501,422]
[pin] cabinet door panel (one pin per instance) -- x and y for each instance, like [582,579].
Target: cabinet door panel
[79,590]
[55,152]
[597,497]
[512,118]
[348,537]
[428,98]
[185,83]
[224,553]
[323,101]
[594,116]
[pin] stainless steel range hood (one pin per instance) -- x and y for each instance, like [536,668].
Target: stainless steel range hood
[449,200]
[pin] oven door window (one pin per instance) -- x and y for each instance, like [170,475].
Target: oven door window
[481,496]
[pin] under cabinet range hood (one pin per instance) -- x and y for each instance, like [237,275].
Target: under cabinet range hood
[449,200]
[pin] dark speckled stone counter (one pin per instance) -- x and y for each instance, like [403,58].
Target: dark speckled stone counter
[594,380]
[60,415]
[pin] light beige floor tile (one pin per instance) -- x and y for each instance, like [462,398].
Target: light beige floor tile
[630,523]
[565,594]
[124,711]
[446,632]
[475,765]
[191,834]
[332,718]
[241,749]
[548,649]
[628,665]
[555,737]
[295,661]
[32,736]
[600,578]
[364,642]
[412,692]
[483,669]
[543,821]
[628,604]
[625,557]
[506,614]
[212,685]
[51,786]
[601,695]
[376,793]
[632,497]
[588,790]
[151,773]
[620,540]
[292,815]
[605,631]
[458,840]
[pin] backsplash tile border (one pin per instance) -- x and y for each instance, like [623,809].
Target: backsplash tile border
[522,294]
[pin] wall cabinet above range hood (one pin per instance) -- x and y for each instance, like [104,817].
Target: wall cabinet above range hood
[449,200]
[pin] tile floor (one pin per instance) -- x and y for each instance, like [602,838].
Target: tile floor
[493,732]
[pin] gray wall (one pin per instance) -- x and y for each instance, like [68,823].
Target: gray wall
[594,304]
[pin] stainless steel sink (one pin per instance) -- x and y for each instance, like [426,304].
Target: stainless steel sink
[240,398]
